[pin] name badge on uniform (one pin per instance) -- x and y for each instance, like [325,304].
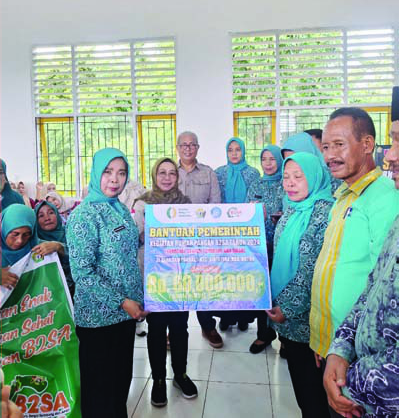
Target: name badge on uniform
[119,228]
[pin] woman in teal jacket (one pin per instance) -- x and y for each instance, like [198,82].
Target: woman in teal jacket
[234,180]
[103,240]
[236,176]
[18,238]
[269,191]
[297,243]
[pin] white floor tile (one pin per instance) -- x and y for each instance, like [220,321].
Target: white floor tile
[237,400]
[238,368]
[140,342]
[141,364]
[274,348]
[196,341]
[198,364]
[136,390]
[278,370]
[284,402]
[193,320]
[177,405]
[236,340]
[232,382]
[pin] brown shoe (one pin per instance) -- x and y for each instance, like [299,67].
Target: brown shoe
[214,338]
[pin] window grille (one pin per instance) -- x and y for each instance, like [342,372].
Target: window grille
[103,78]
[101,92]
[156,139]
[302,76]
[259,130]
[371,66]
[254,71]
[52,80]
[155,76]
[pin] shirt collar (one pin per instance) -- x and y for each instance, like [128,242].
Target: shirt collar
[360,185]
[195,166]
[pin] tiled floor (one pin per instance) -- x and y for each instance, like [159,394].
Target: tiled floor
[231,381]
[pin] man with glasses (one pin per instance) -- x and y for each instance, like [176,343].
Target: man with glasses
[198,182]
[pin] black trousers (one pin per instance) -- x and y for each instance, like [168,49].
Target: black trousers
[307,379]
[265,333]
[206,319]
[106,368]
[158,322]
[232,317]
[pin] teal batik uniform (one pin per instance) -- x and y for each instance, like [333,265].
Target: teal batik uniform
[13,217]
[269,191]
[103,241]
[294,299]
[235,179]
[58,235]
[297,242]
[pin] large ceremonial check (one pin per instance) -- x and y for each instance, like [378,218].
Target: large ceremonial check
[205,257]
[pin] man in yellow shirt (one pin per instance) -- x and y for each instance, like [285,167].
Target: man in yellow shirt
[366,205]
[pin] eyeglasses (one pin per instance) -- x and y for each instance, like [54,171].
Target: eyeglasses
[188,146]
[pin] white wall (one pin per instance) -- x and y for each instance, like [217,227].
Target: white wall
[201,29]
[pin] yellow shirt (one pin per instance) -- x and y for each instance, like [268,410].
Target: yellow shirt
[321,318]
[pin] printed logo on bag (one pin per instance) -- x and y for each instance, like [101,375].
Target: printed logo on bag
[37,258]
[38,402]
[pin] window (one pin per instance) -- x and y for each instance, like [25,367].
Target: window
[92,96]
[300,77]
[259,129]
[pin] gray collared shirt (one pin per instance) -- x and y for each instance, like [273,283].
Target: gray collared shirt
[200,185]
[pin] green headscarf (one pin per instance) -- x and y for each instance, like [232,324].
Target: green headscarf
[101,160]
[13,217]
[156,195]
[286,255]
[236,189]
[303,142]
[8,195]
[57,234]
[276,152]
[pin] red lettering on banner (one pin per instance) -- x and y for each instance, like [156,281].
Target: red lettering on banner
[11,359]
[47,403]
[9,312]
[43,404]
[34,409]
[60,402]
[35,346]
[8,336]
[21,403]
[28,302]
[29,326]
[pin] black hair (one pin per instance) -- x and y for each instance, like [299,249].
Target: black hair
[315,132]
[362,124]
